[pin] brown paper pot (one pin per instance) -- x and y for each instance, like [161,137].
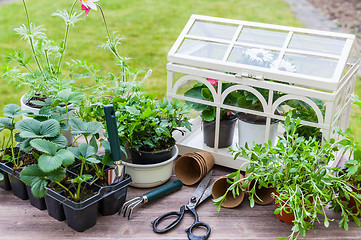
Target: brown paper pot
[188,170]
[265,194]
[209,159]
[220,187]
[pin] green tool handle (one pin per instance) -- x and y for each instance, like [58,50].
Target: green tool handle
[111,123]
[163,190]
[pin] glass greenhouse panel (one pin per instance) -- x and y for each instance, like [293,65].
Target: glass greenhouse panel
[202,49]
[262,36]
[314,43]
[253,56]
[213,30]
[308,65]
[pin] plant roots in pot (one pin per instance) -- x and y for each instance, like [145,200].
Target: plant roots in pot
[226,132]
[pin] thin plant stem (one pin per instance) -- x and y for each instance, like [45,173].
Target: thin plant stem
[65,39]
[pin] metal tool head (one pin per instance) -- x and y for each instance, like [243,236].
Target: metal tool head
[129,206]
[202,192]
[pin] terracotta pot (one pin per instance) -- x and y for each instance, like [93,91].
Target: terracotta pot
[265,194]
[283,216]
[220,187]
[352,203]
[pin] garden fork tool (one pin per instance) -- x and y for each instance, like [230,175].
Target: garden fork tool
[117,174]
[202,193]
[129,206]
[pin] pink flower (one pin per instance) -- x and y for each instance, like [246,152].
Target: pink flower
[212,81]
[86,5]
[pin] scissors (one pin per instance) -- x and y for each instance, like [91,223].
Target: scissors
[202,193]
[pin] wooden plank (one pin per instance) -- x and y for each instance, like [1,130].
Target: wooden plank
[19,220]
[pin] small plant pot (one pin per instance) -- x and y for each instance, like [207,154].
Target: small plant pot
[150,175]
[66,133]
[220,187]
[141,157]
[18,187]
[113,196]
[226,132]
[39,203]
[5,183]
[287,216]
[81,216]
[254,132]
[264,194]
[54,204]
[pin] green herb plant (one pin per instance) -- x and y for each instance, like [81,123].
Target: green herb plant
[297,168]
[146,124]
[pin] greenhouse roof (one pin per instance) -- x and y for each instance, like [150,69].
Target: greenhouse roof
[311,58]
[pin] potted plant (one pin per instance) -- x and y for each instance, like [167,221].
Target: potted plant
[145,126]
[351,172]
[208,113]
[298,170]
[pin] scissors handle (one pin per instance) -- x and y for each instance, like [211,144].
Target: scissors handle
[197,224]
[156,222]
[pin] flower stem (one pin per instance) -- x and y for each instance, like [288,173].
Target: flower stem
[30,38]
[60,63]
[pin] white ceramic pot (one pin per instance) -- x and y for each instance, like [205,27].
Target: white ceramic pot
[66,133]
[150,175]
[251,133]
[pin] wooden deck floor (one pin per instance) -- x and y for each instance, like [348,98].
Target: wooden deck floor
[19,220]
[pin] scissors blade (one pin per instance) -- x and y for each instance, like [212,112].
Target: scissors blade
[199,192]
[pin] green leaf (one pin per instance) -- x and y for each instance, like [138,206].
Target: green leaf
[92,160]
[326,223]
[1,177]
[94,127]
[49,163]
[38,188]
[28,128]
[12,111]
[60,141]
[5,123]
[356,220]
[77,126]
[67,157]
[31,173]
[44,146]
[57,175]
[50,128]
[86,150]
[93,143]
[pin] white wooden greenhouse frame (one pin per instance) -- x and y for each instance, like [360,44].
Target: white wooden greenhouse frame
[208,46]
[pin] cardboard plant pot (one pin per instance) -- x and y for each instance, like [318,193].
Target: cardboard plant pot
[226,132]
[264,194]
[190,168]
[220,187]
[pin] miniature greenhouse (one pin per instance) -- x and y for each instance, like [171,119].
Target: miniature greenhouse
[223,66]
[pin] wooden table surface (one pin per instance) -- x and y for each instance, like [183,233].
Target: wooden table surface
[19,220]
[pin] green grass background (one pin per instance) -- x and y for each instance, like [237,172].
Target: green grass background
[150,27]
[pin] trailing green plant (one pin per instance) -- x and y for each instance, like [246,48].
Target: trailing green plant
[297,168]
[147,125]
[11,112]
